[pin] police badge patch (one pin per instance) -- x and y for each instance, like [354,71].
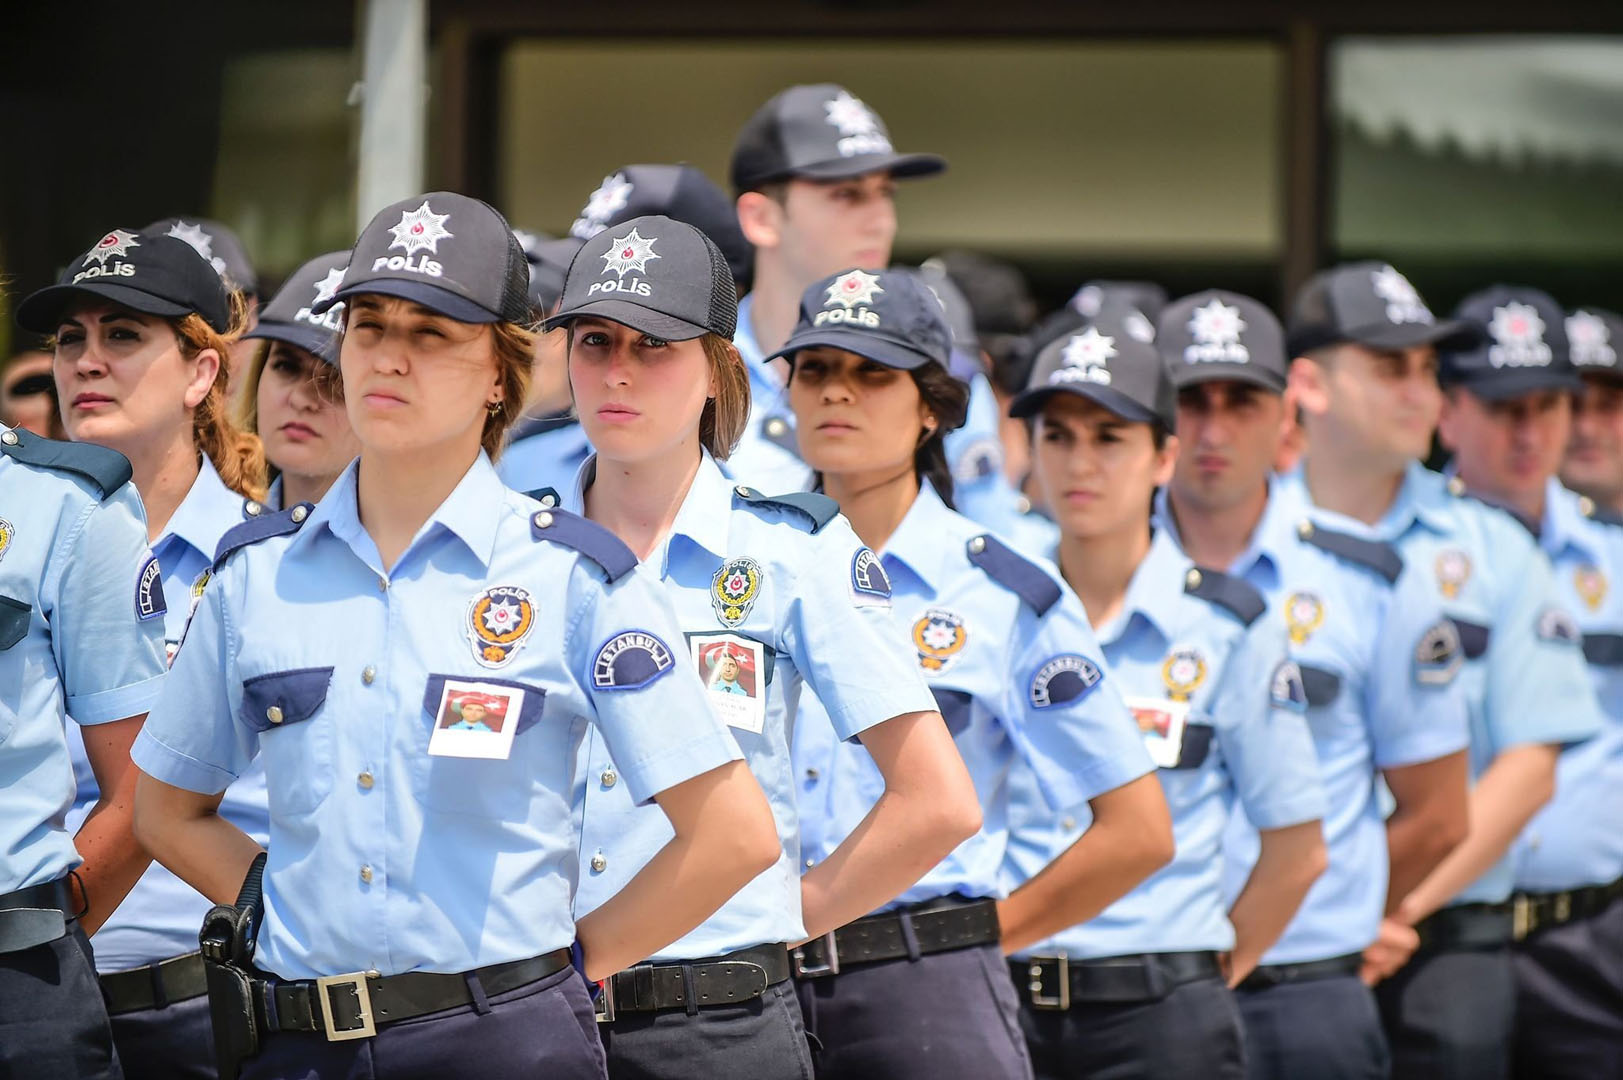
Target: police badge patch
[1183,671]
[7,532]
[939,636]
[869,584]
[1588,580]
[149,603]
[499,619]
[1286,690]
[1438,656]
[1062,680]
[1453,571]
[1304,613]
[630,661]
[733,590]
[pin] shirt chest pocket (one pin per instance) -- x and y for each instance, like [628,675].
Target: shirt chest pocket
[956,707]
[1195,748]
[1473,637]
[286,709]
[478,787]
[1320,685]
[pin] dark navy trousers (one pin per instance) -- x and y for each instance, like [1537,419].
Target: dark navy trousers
[1195,1031]
[1326,1029]
[1450,1015]
[53,1025]
[175,1042]
[1569,1000]
[763,1039]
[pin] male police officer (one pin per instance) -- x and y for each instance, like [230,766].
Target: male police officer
[1506,417]
[1594,463]
[1365,381]
[1378,665]
[815,174]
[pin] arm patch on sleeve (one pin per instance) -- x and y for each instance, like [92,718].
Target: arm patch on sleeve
[1062,680]
[870,585]
[149,602]
[630,661]
[1287,691]
[1438,655]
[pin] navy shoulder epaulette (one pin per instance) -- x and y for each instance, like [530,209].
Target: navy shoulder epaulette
[1375,555]
[107,469]
[1014,572]
[547,497]
[259,528]
[819,509]
[1236,595]
[587,537]
[1601,514]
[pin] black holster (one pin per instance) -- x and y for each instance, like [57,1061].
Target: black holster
[227,942]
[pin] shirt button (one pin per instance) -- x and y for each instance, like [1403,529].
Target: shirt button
[366,873]
[368,673]
[549,501]
[609,777]
[599,863]
[776,428]
[365,780]
[383,584]
[1069,823]
[977,545]
[810,863]
[543,520]
[274,714]
[9,438]
[812,774]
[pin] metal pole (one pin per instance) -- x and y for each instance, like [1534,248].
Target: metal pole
[394,91]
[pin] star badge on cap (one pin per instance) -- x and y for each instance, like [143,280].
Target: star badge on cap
[117,242]
[1403,304]
[201,242]
[854,288]
[1216,323]
[1089,349]
[609,199]
[1519,333]
[420,230]
[851,116]
[630,252]
[1590,340]
[327,287]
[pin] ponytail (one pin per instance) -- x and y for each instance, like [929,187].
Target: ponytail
[947,398]
[236,455]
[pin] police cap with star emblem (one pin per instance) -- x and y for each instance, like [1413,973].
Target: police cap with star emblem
[1221,336]
[290,315]
[452,254]
[155,275]
[220,247]
[887,316]
[1369,303]
[1522,349]
[680,192]
[819,132]
[1112,361]
[1593,339]
[656,275]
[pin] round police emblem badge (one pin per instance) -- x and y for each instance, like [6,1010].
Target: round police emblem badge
[939,636]
[499,619]
[1183,671]
[1304,613]
[733,590]
[1588,580]
[7,531]
[1453,571]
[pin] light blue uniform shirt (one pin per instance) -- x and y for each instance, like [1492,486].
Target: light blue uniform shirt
[1576,839]
[1011,684]
[1523,686]
[305,651]
[809,624]
[1245,737]
[79,637]
[545,452]
[162,914]
[766,457]
[1373,704]
[980,490]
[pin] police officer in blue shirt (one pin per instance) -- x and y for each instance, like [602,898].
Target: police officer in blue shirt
[1366,380]
[1379,666]
[815,174]
[1220,707]
[920,988]
[144,329]
[420,873]
[764,593]
[81,636]
[1593,465]
[1506,418]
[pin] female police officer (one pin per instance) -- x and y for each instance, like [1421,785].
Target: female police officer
[920,989]
[768,591]
[420,874]
[143,329]
[1220,707]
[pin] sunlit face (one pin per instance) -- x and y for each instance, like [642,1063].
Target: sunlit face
[1228,434]
[1383,402]
[1507,449]
[1594,461]
[854,415]
[122,378]
[305,431]
[825,226]
[1096,471]
[413,378]
[26,400]
[639,398]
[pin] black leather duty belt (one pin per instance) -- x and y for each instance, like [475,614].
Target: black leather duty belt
[180,978]
[1268,976]
[931,927]
[1533,912]
[36,915]
[1058,982]
[738,976]
[355,1005]
[1466,926]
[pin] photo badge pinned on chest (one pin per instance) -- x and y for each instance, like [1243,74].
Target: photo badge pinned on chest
[734,590]
[499,619]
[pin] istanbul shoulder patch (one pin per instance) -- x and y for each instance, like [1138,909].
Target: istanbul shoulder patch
[1062,680]
[149,603]
[630,661]
[1438,655]
[1286,690]
[870,586]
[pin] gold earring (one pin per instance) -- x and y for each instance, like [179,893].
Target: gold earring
[494,408]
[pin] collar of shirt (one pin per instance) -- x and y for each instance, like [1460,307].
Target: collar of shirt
[207,512]
[1155,591]
[1565,528]
[917,542]
[1422,499]
[471,512]
[273,495]
[702,520]
[1274,532]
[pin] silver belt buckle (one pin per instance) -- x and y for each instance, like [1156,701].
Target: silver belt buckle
[831,966]
[1062,970]
[363,998]
[603,1007]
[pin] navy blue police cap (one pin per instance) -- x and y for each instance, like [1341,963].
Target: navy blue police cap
[291,317]
[155,275]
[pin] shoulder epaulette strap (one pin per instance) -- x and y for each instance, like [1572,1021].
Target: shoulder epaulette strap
[587,537]
[547,497]
[819,508]
[1376,555]
[1601,514]
[1014,572]
[108,469]
[263,527]
[1236,595]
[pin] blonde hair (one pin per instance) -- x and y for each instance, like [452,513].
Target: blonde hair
[722,422]
[236,454]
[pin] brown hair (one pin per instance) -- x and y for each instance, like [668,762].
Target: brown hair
[236,454]
[722,423]
[947,398]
